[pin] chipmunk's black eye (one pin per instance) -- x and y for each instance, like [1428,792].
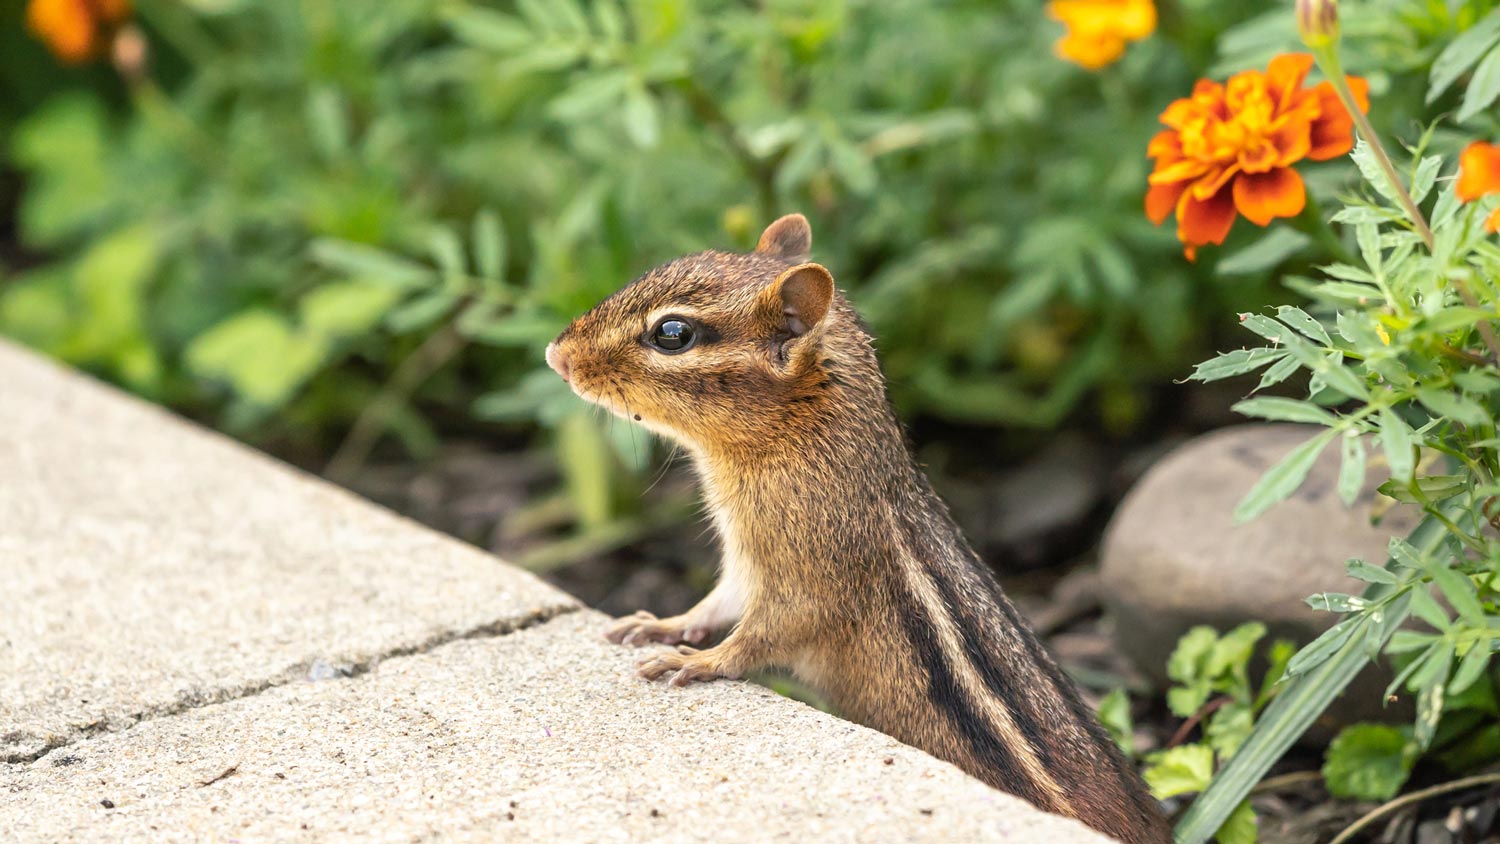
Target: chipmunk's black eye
[672,335]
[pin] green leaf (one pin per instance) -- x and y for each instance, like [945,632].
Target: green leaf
[1283,479]
[1461,54]
[65,148]
[642,123]
[1352,468]
[1278,372]
[1298,319]
[1232,651]
[258,354]
[1375,176]
[1369,762]
[489,246]
[349,308]
[1471,667]
[1430,487]
[1367,234]
[1237,362]
[1240,827]
[1268,328]
[1425,177]
[1188,658]
[1114,714]
[1425,607]
[1337,292]
[1328,643]
[1404,554]
[1280,409]
[1361,570]
[1228,728]
[1457,407]
[1461,593]
[367,262]
[1277,660]
[1331,369]
[1483,88]
[1407,641]
[591,95]
[584,454]
[327,123]
[1186,699]
[1398,441]
[1264,254]
[486,28]
[1334,602]
[1430,706]
[448,253]
[421,312]
[1453,319]
[1183,769]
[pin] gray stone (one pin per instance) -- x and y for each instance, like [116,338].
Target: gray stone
[149,565]
[542,735]
[1173,559]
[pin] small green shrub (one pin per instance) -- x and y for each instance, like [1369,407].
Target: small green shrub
[1402,370]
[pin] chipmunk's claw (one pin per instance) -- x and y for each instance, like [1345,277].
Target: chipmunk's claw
[643,628]
[686,665]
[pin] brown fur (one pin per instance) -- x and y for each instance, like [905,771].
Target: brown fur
[840,563]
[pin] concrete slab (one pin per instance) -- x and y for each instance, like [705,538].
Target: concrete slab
[148,565]
[542,735]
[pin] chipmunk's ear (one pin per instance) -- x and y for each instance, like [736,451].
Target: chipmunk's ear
[789,238]
[803,294]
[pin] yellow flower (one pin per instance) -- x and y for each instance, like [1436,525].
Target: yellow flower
[1099,29]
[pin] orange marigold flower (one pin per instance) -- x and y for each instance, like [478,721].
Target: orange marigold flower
[1099,29]
[1479,175]
[1228,148]
[75,30]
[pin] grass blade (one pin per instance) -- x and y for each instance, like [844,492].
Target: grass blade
[1300,702]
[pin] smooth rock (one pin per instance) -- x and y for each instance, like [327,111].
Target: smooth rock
[1173,558]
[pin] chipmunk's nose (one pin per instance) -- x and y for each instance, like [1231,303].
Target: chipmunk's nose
[557,360]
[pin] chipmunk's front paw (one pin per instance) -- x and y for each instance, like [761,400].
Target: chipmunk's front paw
[690,664]
[643,628]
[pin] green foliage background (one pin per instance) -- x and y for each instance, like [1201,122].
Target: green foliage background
[302,194]
[317,217]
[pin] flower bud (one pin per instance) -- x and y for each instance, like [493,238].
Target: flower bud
[128,52]
[1318,22]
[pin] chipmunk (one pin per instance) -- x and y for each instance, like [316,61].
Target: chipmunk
[840,563]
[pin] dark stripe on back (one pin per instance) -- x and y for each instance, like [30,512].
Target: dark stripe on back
[946,693]
[1006,682]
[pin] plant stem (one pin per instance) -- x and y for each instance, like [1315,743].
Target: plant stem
[1328,60]
[428,358]
[1196,718]
[1414,797]
[1486,333]
[763,172]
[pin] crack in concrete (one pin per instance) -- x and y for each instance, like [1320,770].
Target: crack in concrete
[315,670]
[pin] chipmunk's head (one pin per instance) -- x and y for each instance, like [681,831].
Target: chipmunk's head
[711,348]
